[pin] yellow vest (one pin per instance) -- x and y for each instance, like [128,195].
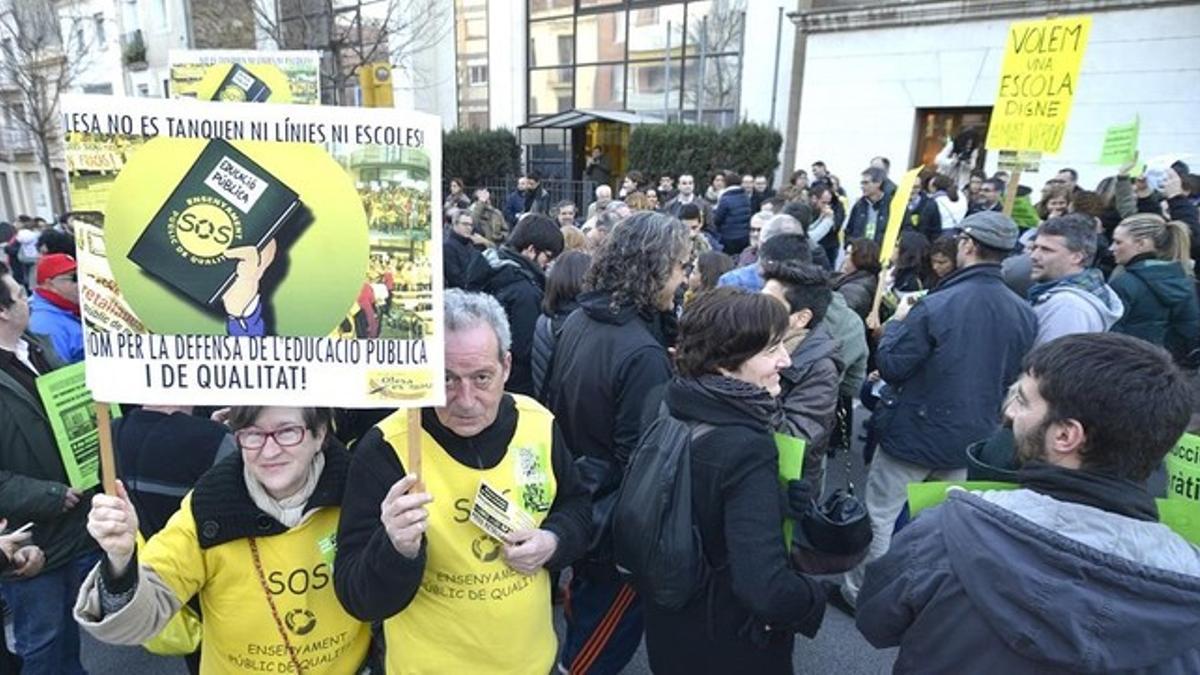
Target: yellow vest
[473,613]
[240,634]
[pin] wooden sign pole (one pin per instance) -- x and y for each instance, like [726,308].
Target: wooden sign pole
[1010,191]
[108,462]
[413,465]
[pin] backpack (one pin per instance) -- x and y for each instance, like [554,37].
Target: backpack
[655,540]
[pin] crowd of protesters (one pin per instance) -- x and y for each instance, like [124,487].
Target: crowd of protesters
[1055,348]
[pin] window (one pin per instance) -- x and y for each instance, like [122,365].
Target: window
[143,90]
[544,38]
[549,90]
[540,9]
[565,46]
[98,88]
[600,87]
[80,38]
[600,38]
[477,75]
[101,37]
[476,28]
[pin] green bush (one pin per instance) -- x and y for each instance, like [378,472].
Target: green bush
[672,149]
[476,156]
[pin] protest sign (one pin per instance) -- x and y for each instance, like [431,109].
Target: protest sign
[68,405]
[904,190]
[1183,469]
[922,496]
[791,465]
[1037,83]
[246,76]
[1014,160]
[1120,143]
[267,255]
[1182,517]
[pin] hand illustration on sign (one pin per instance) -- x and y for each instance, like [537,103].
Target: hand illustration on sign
[243,302]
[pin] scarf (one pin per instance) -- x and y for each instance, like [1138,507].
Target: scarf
[1090,280]
[289,511]
[58,300]
[755,402]
[1090,488]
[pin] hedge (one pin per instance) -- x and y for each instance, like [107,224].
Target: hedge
[672,149]
[477,156]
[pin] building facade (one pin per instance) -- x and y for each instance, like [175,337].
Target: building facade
[898,80]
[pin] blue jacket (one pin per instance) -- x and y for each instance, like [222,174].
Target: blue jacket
[745,277]
[62,328]
[948,365]
[732,216]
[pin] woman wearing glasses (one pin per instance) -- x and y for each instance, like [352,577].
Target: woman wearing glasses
[255,540]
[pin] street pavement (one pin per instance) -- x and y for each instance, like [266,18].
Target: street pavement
[837,648]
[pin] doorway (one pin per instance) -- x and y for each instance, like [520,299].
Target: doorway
[934,125]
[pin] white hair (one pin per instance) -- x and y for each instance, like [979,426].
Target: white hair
[603,189]
[780,224]
[466,310]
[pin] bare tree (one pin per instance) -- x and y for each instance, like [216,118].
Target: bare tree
[351,33]
[721,34]
[39,61]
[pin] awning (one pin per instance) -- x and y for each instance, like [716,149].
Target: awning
[574,118]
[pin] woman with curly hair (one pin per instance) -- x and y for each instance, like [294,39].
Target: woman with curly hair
[611,357]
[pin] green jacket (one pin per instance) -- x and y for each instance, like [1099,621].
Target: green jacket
[33,481]
[1160,305]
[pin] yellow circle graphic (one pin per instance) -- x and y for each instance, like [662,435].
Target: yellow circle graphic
[205,230]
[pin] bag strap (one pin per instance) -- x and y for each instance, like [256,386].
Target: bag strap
[262,581]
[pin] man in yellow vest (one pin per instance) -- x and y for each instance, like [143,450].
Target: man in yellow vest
[452,598]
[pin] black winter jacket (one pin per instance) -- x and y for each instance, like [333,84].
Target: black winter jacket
[519,285]
[545,338]
[856,223]
[606,366]
[458,253]
[858,287]
[738,510]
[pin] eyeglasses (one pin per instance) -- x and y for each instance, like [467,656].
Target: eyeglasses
[255,439]
[73,277]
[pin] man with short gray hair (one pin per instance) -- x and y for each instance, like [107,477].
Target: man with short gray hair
[440,584]
[868,219]
[1069,295]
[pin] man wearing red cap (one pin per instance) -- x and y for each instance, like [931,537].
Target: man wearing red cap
[54,307]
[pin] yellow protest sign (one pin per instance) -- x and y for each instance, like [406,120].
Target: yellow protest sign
[899,204]
[1038,83]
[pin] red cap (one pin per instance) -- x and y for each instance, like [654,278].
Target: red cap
[53,265]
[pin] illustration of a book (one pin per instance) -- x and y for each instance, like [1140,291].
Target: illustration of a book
[240,85]
[225,200]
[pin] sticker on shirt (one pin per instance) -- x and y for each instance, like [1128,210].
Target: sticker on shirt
[493,513]
[533,479]
[328,547]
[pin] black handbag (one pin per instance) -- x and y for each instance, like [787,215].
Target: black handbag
[833,536]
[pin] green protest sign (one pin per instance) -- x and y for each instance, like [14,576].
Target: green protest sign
[1183,469]
[68,404]
[1183,517]
[791,464]
[1120,143]
[925,495]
